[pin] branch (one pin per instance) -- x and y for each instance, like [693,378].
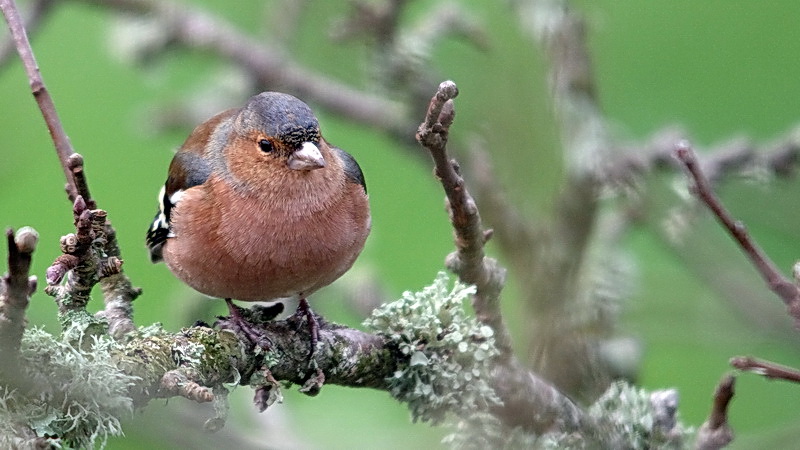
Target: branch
[118,290]
[779,158]
[559,344]
[268,65]
[37,11]
[520,390]
[518,238]
[88,258]
[78,262]
[39,90]
[468,261]
[16,289]
[777,283]
[716,433]
[767,369]
[89,384]
[379,21]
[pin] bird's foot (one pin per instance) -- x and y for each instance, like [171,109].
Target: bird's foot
[239,324]
[313,325]
[314,383]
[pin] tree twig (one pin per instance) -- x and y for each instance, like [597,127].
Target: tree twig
[118,289]
[39,90]
[79,261]
[37,11]
[780,285]
[520,390]
[468,261]
[16,287]
[767,369]
[75,166]
[716,433]
[269,65]
[721,160]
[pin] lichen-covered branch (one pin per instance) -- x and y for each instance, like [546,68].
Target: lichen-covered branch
[104,263]
[777,282]
[118,290]
[86,261]
[79,266]
[88,382]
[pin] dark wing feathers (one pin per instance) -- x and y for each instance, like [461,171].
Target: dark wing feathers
[351,168]
[188,169]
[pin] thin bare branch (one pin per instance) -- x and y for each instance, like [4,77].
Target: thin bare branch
[37,11]
[767,369]
[377,20]
[469,261]
[779,158]
[516,236]
[520,390]
[779,284]
[39,90]
[75,165]
[716,433]
[270,66]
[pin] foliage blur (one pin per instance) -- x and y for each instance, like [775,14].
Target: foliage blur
[718,69]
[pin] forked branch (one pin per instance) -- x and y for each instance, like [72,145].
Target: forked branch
[777,282]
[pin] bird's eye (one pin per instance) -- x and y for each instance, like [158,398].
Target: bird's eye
[265,145]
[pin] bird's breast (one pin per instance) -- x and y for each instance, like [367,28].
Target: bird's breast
[264,248]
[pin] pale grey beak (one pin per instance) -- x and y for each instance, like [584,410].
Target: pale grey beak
[306,157]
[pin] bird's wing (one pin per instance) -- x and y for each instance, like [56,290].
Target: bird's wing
[351,168]
[188,169]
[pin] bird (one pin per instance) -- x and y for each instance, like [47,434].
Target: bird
[258,206]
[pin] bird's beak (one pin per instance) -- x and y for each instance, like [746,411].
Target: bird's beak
[306,157]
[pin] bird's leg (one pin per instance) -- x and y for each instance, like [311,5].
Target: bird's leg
[256,337]
[313,325]
[313,384]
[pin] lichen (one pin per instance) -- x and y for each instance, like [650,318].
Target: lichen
[626,413]
[446,353]
[623,417]
[212,351]
[80,394]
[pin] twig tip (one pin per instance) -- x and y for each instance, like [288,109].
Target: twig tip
[683,150]
[26,239]
[726,384]
[448,90]
[75,161]
[796,271]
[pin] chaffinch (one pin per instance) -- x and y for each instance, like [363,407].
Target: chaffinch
[258,206]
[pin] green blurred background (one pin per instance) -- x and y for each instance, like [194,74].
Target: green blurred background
[718,68]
